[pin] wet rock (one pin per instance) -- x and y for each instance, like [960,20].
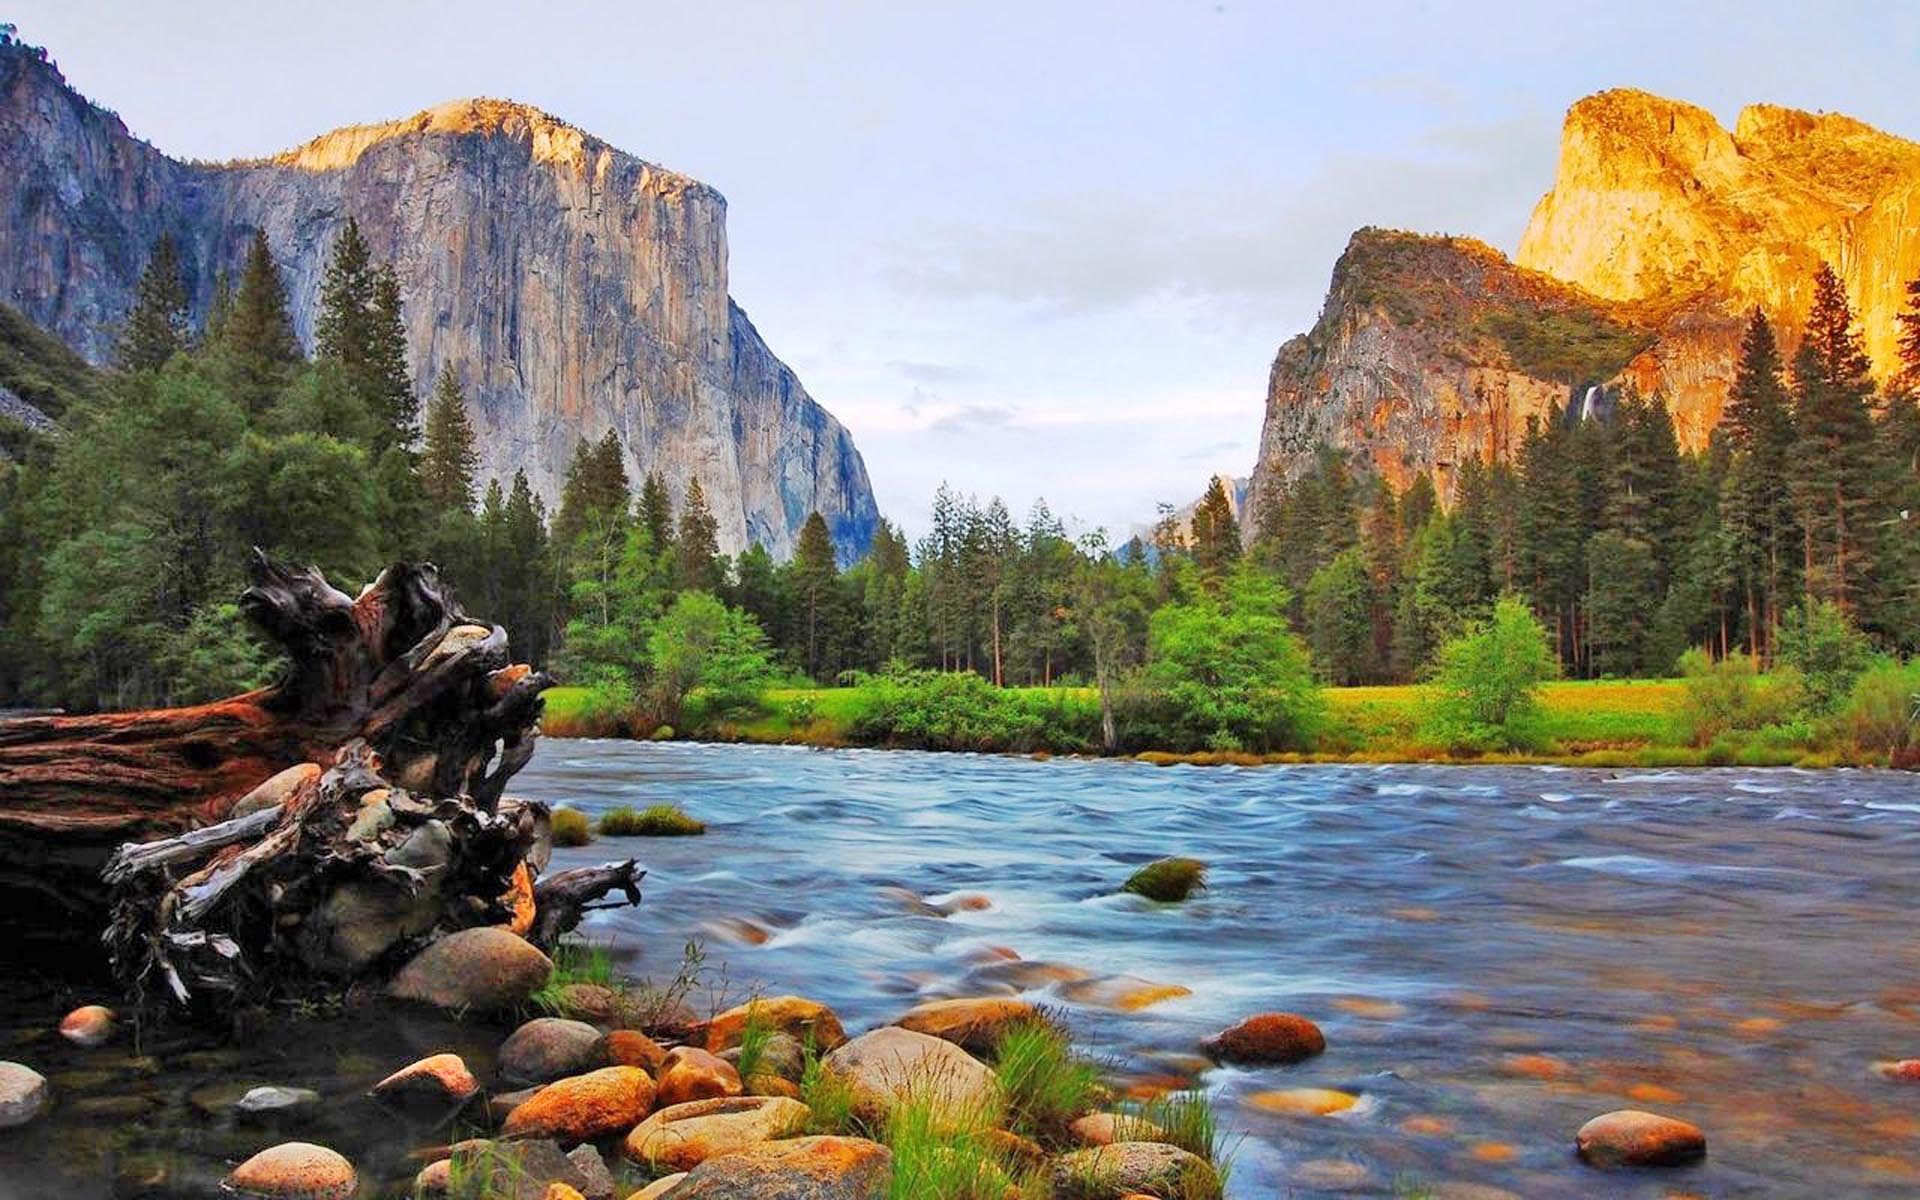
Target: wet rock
[659,1187]
[217,1099]
[485,969]
[599,1183]
[548,1048]
[1536,1066]
[887,1065]
[89,1026]
[502,1171]
[689,1073]
[435,1084]
[583,1107]
[974,1025]
[1105,1128]
[683,1136]
[1906,1070]
[1304,1102]
[809,1022]
[1113,1172]
[499,1104]
[1632,1138]
[293,1171]
[1267,1038]
[1124,993]
[808,1168]
[267,1102]
[111,1108]
[1335,1175]
[590,1002]
[23,1094]
[631,1048]
[781,1054]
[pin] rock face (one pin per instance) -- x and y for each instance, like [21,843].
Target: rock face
[571,287]
[1661,230]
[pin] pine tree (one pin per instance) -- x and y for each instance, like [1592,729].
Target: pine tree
[697,544]
[1756,496]
[156,328]
[1215,533]
[816,577]
[449,459]
[359,328]
[1833,468]
[341,331]
[256,342]
[1909,324]
[389,385]
[656,511]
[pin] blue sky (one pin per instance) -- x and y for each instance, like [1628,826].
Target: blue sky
[1035,249]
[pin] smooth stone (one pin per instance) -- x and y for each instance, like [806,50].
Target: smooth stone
[548,1048]
[599,1181]
[809,1022]
[974,1025]
[807,1168]
[274,1101]
[1631,1138]
[1105,1128]
[1304,1102]
[90,1025]
[590,1002]
[689,1073]
[426,848]
[437,1082]
[1906,1070]
[294,1171]
[513,1171]
[1267,1038]
[583,1107]
[659,1187]
[485,969]
[781,1054]
[1112,1172]
[631,1048]
[561,1191]
[683,1136]
[889,1065]
[23,1094]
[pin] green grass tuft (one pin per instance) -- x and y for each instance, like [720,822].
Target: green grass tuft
[1042,1084]
[828,1099]
[659,820]
[937,1158]
[1169,880]
[571,828]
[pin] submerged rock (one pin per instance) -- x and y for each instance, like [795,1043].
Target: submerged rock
[689,1073]
[548,1048]
[683,1136]
[1268,1038]
[808,1168]
[1304,1102]
[1631,1138]
[23,1094]
[273,1101]
[90,1025]
[888,1065]
[436,1083]
[293,1171]
[1124,993]
[578,1109]
[486,969]
[1116,1171]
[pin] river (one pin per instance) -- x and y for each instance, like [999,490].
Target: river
[1495,954]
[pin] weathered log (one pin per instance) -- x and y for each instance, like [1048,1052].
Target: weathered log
[560,900]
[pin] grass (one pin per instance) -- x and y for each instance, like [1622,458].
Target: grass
[574,962]
[937,1158]
[659,820]
[828,1098]
[1043,1085]
[754,1036]
[1186,1120]
[1169,880]
[571,827]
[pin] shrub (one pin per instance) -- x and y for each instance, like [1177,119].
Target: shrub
[659,820]
[603,707]
[1169,880]
[570,827]
[1729,696]
[1882,709]
[1821,642]
[1043,1085]
[1487,681]
[936,710]
[701,643]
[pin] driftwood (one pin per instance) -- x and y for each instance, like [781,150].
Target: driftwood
[313,830]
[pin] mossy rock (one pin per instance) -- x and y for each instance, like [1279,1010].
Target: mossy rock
[659,820]
[1168,880]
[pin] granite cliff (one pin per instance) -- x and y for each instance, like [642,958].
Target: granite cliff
[572,287]
[1662,228]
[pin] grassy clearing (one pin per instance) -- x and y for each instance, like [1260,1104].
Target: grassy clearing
[659,820]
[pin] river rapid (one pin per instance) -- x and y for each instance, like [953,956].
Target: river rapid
[1496,954]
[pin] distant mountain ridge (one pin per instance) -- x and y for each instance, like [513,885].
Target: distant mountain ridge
[574,288]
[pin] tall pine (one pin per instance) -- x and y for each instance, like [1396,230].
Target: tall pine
[359,329]
[156,328]
[1756,501]
[449,459]
[1833,469]
[697,544]
[255,339]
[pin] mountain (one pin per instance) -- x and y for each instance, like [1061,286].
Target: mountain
[573,287]
[1661,230]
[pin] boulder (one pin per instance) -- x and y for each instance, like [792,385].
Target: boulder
[89,1025]
[1266,1039]
[583,1107]
[434,1085]
[1115,1171]
[503,1171]
[485,969]
[594,1002]
[548,1048]
[659,1187]
[807,1021]
[974,1025]
[689,1073]
[631,1048]
[780,1054]
[293,1171]
[1105,1128]
[1631,1138]
[892,1064]
[808,1168]
[23,1094]
[599,1183]
[684,1136]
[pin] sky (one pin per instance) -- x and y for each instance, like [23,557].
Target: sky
[1038,249]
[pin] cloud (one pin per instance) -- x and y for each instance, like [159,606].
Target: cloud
[973,418]
[1213,450]
[934,373]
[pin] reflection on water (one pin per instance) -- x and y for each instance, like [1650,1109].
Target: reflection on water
[1495,954]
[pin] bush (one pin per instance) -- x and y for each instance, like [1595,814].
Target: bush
[659,820]
[701,643]
[1169,881]
[1820,641]
[1882,709]
[939,710]
[570,827]
[1729,696]
[1487,681]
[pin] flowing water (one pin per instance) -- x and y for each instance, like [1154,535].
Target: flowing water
[1496,954]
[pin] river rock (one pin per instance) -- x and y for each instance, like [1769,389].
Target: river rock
[1905,1070]
[90,1025]
[583,1107]
[631,1048]
[974,1025]
[781,1054]
[594,1002]
[659,1187]
[1631,1138]
[269,1101]
[599,1183]
[689,1073]
[1304,1102]
[293,1171]
[1268,1038]
[890,1064]
[1123,993]
[808,1168]
[434,1084]
[1115,1171]
[562,1191]
[511,1170]
[427,848]
[1105,1128]
[548,1048]
[486,969]
[683,1136]
[23,1093]
[811,1023]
